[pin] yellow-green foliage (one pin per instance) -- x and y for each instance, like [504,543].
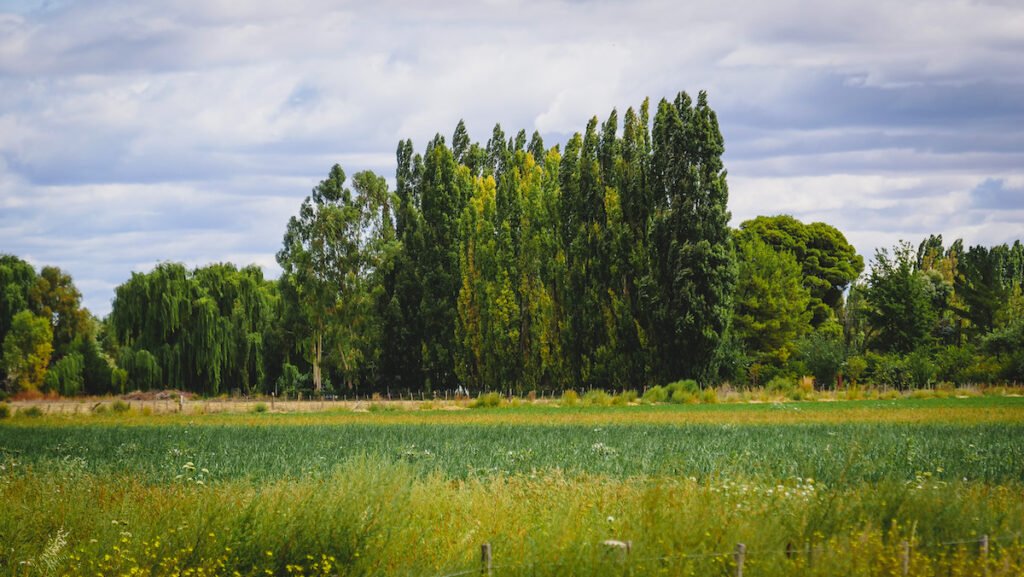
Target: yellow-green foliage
[597,398]
[374,518]
[570,398]
[488,400]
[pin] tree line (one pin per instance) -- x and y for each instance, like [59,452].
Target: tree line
[606,263]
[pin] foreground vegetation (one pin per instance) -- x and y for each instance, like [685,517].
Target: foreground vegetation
[809,489]
[371,517]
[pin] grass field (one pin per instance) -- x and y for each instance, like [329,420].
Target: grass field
[810,489]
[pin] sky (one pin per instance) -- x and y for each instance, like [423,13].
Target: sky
[133,133]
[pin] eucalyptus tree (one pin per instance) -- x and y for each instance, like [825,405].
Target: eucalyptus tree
[325,261]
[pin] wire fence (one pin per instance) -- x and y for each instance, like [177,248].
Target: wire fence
[738,556]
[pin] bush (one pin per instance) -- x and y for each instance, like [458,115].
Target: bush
[120,406]
[100,409]
[625,398]
[570,398]
[259,408]
[683,392]
[486,401]
[920,369]
[823,353]
[5,410]
[856,366]
[655,394]
[780,384]
[683,397]
[710,396]
[33,411]
[597,398]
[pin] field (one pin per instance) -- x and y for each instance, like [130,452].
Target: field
[851,488]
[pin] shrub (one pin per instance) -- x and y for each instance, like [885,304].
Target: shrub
[597,398]
[682,392]
[570,398]
[655,394]
[5,410]
[780,384]
[485,401]
[856,366]
[100,409]
[120,406]
[259,408]
[33,411]
[920,369]
[625,398]
[683,397]
[709,396]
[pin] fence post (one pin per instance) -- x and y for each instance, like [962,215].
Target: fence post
[905,558]
[740,555]
[984,554]
[485,560]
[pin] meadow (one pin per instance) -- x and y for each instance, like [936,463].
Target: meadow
[808,488]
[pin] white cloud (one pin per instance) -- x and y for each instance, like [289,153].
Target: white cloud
[190,130]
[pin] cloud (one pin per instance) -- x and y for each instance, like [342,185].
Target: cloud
[190,130]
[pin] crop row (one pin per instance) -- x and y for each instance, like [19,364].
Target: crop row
[835,454]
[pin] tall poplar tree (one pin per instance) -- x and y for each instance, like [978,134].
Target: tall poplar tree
[693,265]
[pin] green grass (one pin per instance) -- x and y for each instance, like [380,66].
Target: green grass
[416,492]
[834,454]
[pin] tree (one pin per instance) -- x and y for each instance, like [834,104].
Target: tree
[54,296]
[444,187]
[26,352]
[322,261]
[17,278]
[771,303]
[901,305]
[829,262]
[692,262]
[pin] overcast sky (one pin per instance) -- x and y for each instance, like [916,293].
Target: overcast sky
[190,130]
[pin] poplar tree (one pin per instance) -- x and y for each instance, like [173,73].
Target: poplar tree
[444,188]
[693,265]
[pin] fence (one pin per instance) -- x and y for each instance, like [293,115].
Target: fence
[739,555]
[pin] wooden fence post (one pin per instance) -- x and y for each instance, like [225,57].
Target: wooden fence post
[984,555]
[485,560]
[905,558]
[740,555]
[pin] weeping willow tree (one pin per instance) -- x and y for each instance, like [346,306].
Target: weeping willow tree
[199,330]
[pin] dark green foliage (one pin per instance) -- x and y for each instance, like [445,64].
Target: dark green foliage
[823,354]
[771,303]
[444,189]
[902,308]
[828,261]
[17,278]
[692,263]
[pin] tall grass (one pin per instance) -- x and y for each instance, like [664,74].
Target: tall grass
[373,517]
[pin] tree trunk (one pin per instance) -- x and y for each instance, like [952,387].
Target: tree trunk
[318,351]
